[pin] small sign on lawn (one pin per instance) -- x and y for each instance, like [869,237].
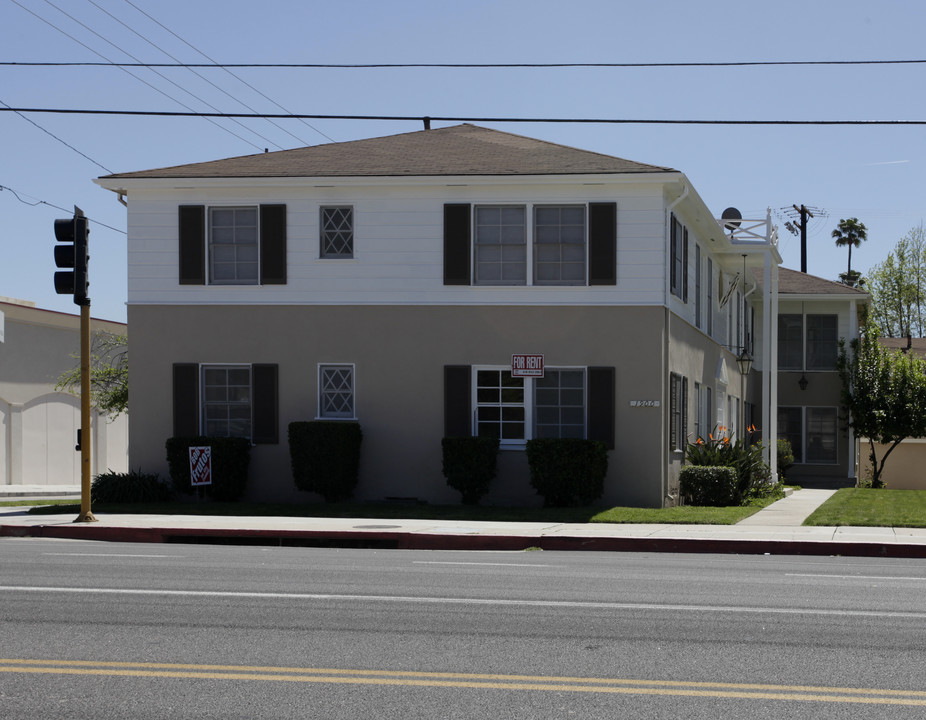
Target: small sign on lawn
[200,466]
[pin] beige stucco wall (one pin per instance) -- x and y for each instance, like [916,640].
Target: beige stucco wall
[399,353]
[38,425]
[905,468]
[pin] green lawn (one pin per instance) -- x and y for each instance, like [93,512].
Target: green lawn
[684,515]
[864,507]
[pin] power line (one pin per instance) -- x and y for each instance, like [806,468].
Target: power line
[229,72]
[428,118]
[57,207]
[7,108]
[367,66]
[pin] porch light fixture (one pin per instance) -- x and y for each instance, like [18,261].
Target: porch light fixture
[744,362]
[803,382]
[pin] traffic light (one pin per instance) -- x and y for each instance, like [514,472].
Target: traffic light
[73,254]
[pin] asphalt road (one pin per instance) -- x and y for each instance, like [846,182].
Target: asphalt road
[183,631]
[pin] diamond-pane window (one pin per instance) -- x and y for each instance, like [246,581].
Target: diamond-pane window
[336,391]
[337,232]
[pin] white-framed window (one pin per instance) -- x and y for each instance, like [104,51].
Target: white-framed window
[500,237]
[337,232]
[516,409]
[233,245]
[812,432]
[807,342]
[559,245]
[336,393]
[226,400]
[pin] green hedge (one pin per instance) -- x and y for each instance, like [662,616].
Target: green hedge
[325,457]
[128,487]
[469,464]
[567,471]
[709,485]
[230,460]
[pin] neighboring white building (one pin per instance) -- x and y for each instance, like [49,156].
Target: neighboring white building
[391,281]
[38,425]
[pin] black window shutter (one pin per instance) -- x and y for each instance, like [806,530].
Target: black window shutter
[685,267]
[602,243]
[458,421]
[673,251]
[186,399]
[673,411]
[684,438]
[264,405]
[600,411]
[192,230]
[456,244]
[273,244]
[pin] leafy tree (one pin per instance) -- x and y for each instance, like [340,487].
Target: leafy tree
[885,394]
[898,288]
[109,374]
[850,233]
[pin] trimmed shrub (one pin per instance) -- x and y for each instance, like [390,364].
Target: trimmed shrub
[567,471]
[709,485]
[130,487]
[325,457]
[753,475]
[469,464]
[230,460]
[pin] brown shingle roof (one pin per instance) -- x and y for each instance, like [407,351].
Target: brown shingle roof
[793,282]
[458,150]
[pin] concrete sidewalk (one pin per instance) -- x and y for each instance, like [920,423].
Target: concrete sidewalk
[776,529]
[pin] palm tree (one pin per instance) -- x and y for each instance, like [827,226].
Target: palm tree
[851,233]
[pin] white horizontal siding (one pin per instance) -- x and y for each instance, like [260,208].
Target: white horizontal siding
[398,245]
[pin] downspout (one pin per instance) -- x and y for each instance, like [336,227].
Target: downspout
[665,342]
[120,196]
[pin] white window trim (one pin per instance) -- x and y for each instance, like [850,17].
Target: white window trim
[318,385]
[208,240]
[529,406]
[530,235]
[202,391]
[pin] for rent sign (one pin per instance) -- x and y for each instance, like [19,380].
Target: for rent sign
[200,466]
[527,366]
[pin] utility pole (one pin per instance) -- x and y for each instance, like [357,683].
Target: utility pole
[799,226]
[73,254]
[804,212]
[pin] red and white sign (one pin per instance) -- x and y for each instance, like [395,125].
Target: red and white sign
[200,466]
[527,366]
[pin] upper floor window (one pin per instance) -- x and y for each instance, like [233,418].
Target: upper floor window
[816,349]
[232,245]
[337,232]
[496,244]
[678,259]
[233,258]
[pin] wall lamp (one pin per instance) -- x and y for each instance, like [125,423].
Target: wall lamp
[803,382]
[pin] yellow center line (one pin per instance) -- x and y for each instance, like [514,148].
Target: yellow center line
[470,680]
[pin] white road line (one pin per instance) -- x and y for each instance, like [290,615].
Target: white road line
[449,562]
[856,577]
[125,555]
[578,604]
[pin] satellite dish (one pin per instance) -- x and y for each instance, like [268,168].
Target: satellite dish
[733,217]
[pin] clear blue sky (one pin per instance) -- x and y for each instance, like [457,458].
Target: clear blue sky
[874,173]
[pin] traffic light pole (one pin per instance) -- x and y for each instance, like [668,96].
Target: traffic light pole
[85,514]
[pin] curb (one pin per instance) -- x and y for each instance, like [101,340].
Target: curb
[422,541]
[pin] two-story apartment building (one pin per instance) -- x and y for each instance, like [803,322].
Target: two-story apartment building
[393,280]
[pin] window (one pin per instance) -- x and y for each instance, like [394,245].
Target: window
[500,405]
[678,412]
[226,400]
[822,342]
[500,245]
[698,285]
[529,245]
[337,232]
[811,432]
[818,351]
[704,424]
[678,259]
[232,245]
[790,342]
[710,297]
[559,404]
[559,245]
[336,392]
[233,250]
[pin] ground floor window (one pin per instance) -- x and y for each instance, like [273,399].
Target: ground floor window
[812,432]
[678,412]
[226,400]
[516,409]
[336,392]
